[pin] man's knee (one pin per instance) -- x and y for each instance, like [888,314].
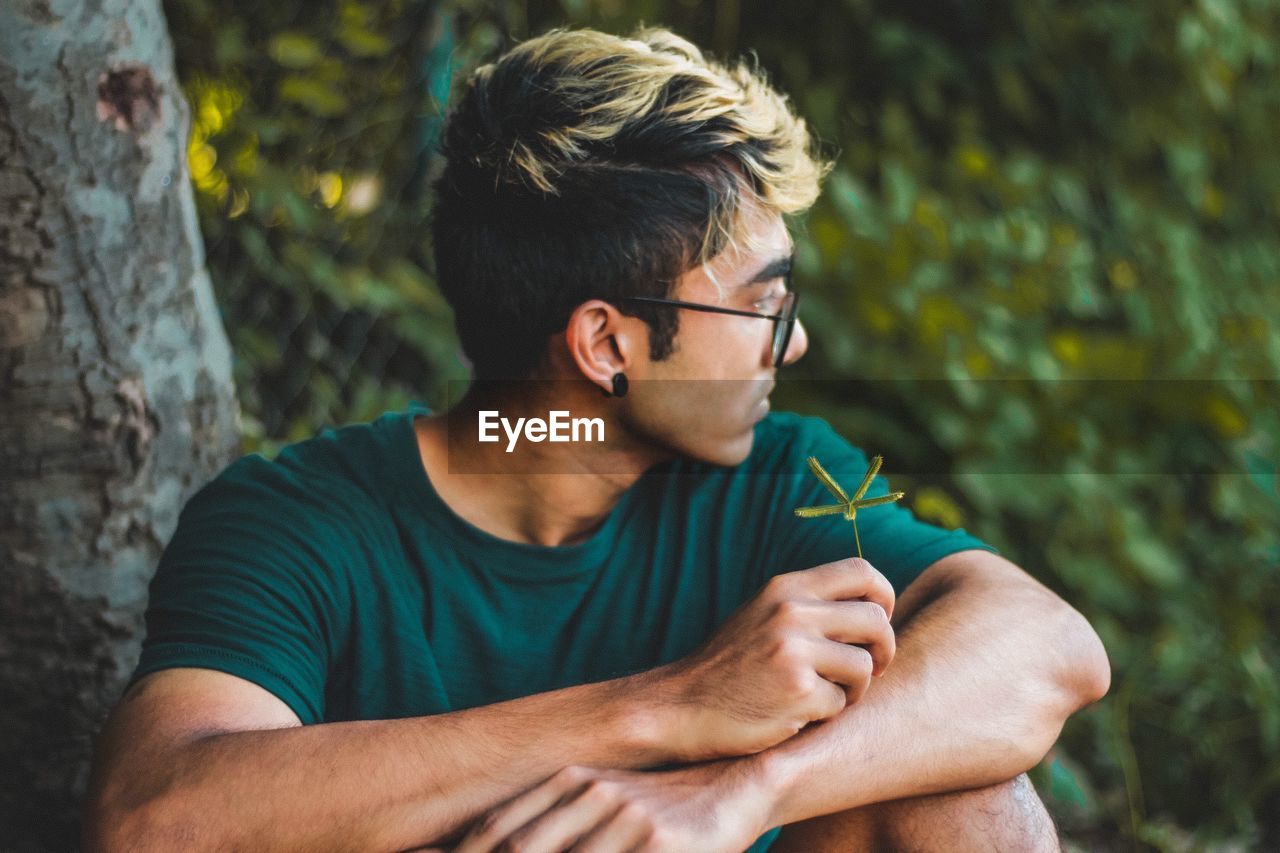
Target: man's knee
[1004,817]
[1007,816]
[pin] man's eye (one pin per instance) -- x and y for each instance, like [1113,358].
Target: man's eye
[770,304]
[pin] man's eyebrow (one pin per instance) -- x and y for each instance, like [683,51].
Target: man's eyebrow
[777,268]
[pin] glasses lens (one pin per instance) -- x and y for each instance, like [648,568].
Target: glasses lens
[782,328]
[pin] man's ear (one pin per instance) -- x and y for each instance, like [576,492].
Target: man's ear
[602,341]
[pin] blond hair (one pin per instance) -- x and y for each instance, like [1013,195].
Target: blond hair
[614,88]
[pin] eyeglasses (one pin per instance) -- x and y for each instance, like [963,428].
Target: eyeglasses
[784,322]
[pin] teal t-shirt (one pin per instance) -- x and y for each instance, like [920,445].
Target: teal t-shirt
[337,579]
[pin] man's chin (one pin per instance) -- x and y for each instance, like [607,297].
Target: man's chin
[726,454]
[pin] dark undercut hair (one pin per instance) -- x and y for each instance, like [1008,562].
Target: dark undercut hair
[582,165]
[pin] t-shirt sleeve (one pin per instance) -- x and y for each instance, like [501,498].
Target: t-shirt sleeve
[243,587]
[894,540]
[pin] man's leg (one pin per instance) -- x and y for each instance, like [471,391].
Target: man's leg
[1005,817]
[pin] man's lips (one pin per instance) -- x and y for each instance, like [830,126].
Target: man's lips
[762,407]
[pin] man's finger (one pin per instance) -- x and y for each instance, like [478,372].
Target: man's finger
[626,830]
[491,829]
[828,701]
[860,623]
[848,666]
[853,578]
[562,824]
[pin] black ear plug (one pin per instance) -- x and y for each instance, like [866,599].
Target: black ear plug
[619,386]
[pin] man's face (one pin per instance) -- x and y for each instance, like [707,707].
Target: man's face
[704,400]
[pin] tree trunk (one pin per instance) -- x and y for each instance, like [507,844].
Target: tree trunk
[116,400]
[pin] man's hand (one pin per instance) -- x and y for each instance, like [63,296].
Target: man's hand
[711,808]
[801,650]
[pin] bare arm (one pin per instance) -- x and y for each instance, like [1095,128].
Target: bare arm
[204,759]
[989,666]
[200,759]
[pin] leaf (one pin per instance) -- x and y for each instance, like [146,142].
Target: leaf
[363,43]
[870,475]
[1265,475]
[817,511]
[294,49]
[878,501]
[832,486]
[312,95]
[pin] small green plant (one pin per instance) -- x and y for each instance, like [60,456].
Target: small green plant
[848,506]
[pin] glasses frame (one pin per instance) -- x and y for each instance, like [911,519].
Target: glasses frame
[783,324]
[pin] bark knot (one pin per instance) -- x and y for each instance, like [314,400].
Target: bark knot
[129,98]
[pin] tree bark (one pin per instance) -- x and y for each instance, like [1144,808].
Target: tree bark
[116,400]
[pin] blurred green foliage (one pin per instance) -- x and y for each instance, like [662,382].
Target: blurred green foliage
[1025,191]
[312,126]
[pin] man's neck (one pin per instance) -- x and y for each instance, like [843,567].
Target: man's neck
[549,494]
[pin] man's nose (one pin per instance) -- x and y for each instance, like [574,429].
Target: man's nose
[797,345]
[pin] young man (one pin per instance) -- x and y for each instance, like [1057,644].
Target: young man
[401,634]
